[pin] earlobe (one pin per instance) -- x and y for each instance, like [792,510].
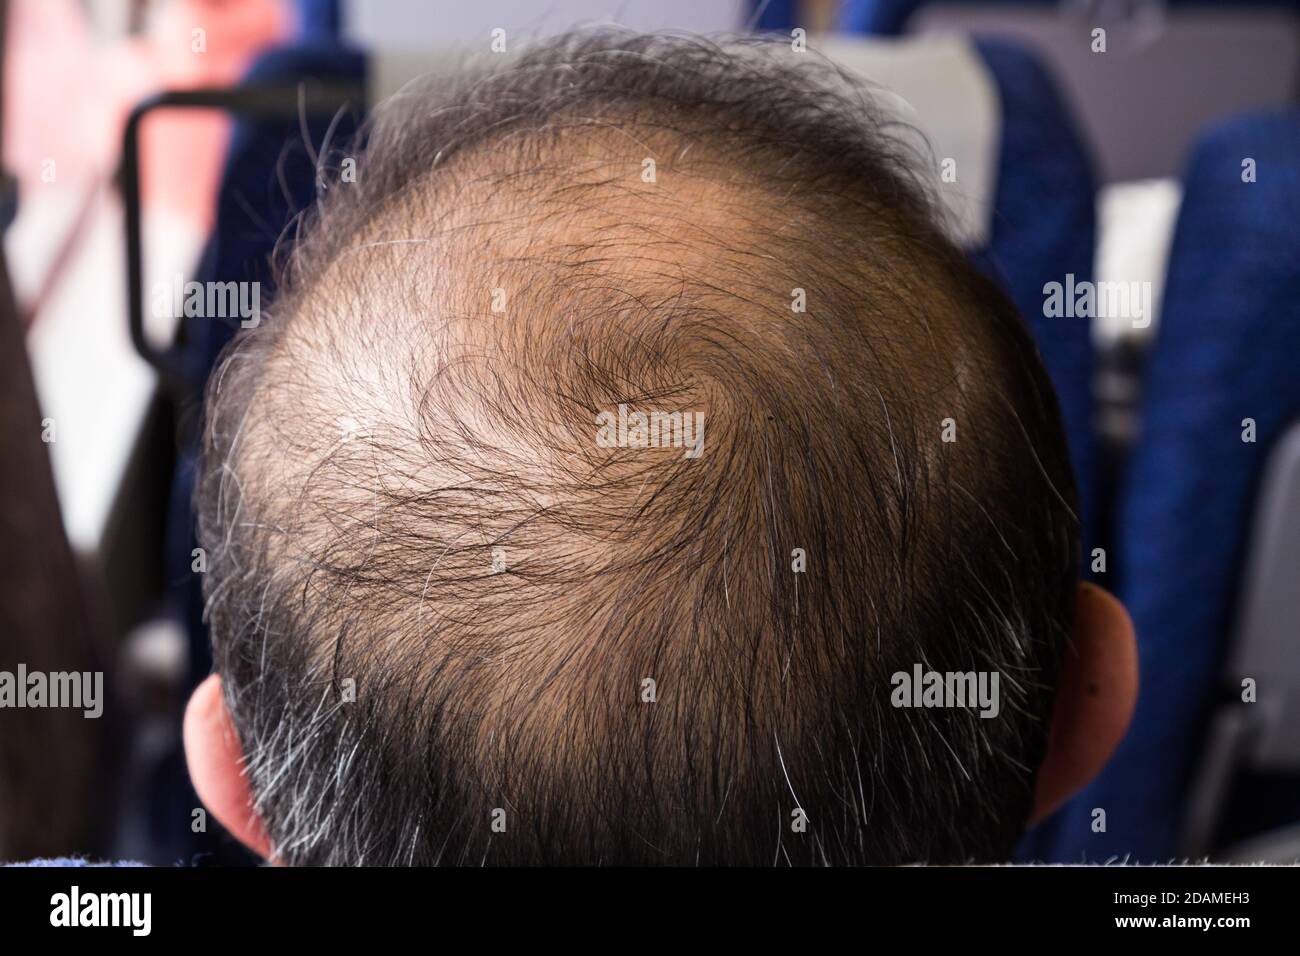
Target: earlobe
[216,766]
[1095,698]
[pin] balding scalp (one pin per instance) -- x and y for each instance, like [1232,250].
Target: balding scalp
[469,604]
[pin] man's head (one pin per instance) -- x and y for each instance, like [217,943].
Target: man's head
[467,605]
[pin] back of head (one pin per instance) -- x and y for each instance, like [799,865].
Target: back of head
[616,436]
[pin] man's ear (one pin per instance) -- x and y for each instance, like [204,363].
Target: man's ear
[1095,697]
[216,765]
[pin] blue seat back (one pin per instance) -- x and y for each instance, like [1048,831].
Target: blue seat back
[1227,350]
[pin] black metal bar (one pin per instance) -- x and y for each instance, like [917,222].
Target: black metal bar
[281,101]
[8,183]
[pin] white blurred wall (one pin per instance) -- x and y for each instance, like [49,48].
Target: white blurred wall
[425,24]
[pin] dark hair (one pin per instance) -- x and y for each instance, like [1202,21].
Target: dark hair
[385,435]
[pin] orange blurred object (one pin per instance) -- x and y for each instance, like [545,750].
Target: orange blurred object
[68,95]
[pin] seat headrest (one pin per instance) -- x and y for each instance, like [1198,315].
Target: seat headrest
[946,102]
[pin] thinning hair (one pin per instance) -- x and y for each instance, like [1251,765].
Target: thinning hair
[453,627]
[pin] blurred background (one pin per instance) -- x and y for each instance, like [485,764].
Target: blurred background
[1150,148]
